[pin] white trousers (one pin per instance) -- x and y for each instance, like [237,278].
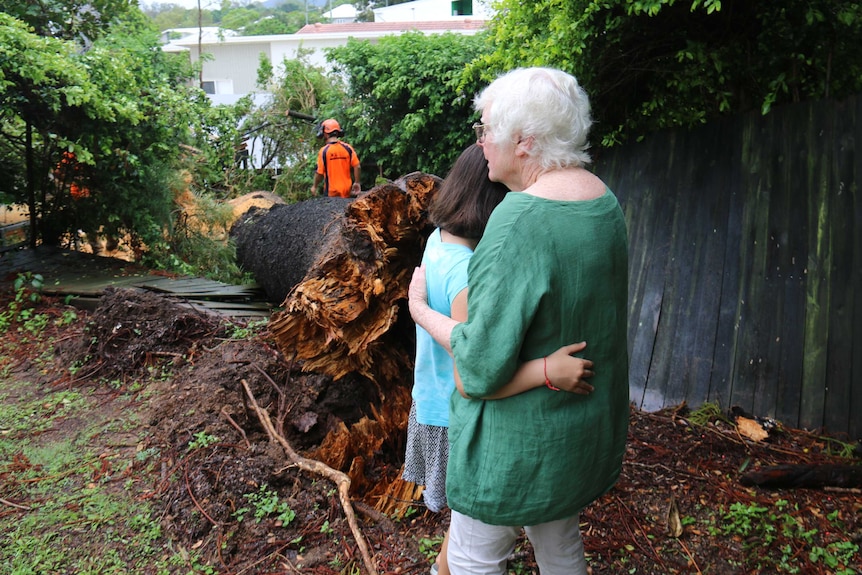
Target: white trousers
[476,548]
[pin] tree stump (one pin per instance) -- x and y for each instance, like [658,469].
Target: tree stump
[349,314]
[345,311]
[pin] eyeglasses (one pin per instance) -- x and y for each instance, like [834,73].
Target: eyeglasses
[480,130]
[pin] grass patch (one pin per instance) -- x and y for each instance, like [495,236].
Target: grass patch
[67,500]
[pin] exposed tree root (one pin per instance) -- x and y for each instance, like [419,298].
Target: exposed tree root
[341,480]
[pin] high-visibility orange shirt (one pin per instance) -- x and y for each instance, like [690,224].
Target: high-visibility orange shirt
[337,169]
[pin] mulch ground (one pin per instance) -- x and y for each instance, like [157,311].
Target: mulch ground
[680,505]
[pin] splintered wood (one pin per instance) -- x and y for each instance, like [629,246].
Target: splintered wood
[342,318]
[339,319]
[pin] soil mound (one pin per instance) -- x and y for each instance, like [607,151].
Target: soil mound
[218,467]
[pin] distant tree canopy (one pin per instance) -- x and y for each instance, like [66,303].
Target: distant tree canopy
[167,16]
[278,23]
[655,64]
[245,18]
[77,20]
[406,108]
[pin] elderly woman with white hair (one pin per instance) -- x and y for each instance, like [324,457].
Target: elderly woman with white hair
[551,268]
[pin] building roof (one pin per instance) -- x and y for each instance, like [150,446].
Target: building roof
[466,25]
[208,34]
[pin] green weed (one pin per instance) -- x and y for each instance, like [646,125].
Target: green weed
[758,525]
[707,413]
[430,547]
[263,503]
[20,310]
[202,440]
[247,330]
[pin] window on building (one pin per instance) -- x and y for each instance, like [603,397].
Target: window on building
[209,87]
[462,7]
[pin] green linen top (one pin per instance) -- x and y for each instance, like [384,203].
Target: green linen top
[546,273]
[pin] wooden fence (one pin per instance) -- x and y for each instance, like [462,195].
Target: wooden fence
[745,264]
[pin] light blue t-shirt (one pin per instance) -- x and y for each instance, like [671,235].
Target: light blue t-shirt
[434,373]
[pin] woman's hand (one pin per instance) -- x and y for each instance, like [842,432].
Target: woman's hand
[570,373]
[439,326]
[417,292]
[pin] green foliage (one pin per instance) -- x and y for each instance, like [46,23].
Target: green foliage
[430,547]
[758,526]
[265,502]
[166,16]
[707,413]
[248,19]
[198,243]
[248,329]
[744,519]
[287,141]
[406,108]
[107,126]
[202,440]
[68,19]
[99,128]
[238,18]
[19,312]
[655,64]
[835,446]
[836,556]
[278,23]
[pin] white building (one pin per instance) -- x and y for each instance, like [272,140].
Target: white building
[344,14]
[230,69]
[434,10]
[233,61]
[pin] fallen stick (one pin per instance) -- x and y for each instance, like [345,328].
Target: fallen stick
[341,480]
[10,504]
[805,476]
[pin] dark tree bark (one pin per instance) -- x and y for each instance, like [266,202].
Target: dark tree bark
[278,246]
[348,314]
[811,476]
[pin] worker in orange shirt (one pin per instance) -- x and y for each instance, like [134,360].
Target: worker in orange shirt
[336,163]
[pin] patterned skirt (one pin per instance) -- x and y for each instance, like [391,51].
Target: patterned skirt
[425,460]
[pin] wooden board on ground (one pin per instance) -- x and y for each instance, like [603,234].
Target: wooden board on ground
[83,278]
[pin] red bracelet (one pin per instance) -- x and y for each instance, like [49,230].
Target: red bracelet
[548,383]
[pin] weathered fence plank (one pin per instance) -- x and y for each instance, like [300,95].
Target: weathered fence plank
[818,284]
[851,186]
[745,258]
[845,228]
[727,329]
[709,217]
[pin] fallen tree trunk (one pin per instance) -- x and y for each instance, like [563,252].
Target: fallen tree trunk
[279,245]
[344,315]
